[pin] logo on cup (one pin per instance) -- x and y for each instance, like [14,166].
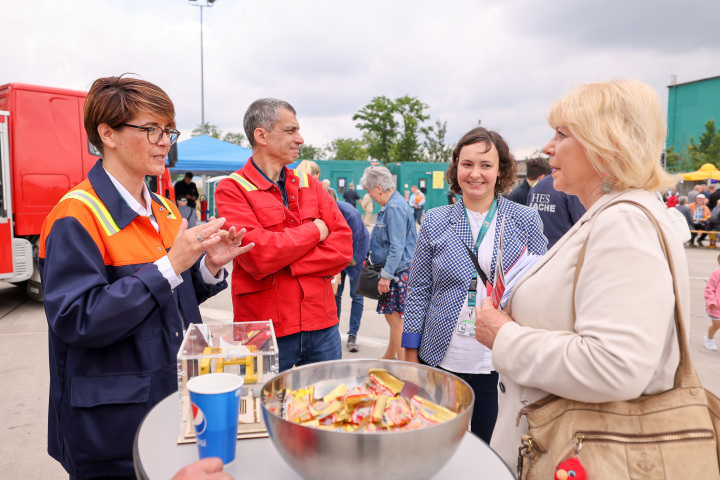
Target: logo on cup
[199,420]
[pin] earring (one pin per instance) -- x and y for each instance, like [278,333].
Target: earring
[112,146]
[606,186]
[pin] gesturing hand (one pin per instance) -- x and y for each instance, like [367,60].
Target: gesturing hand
[220,253]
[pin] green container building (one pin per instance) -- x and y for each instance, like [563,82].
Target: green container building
[429,177]
[690,106]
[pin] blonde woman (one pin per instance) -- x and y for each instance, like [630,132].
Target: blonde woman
[613,338]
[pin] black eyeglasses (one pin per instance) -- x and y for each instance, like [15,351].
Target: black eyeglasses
[154,134]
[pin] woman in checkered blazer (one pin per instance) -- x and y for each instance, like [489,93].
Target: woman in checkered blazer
[439,314]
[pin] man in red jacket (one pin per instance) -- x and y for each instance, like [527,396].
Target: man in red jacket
[302,240]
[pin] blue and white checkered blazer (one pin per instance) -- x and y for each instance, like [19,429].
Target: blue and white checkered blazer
[442,269]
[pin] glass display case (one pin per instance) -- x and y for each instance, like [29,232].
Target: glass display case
[248,349]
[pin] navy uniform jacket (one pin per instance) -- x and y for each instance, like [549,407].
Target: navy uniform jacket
[115,325]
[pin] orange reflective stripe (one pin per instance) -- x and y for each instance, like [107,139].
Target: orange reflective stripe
[98,209]
[243,182]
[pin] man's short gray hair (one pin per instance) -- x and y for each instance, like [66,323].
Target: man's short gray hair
[376,175]
[682,200]
[264,113]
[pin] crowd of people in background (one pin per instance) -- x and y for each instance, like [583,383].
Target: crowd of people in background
[140,267]
[701,209]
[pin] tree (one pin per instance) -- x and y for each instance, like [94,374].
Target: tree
[347,149]
[309,152]
[379,126]
[408,144]
[210,130]
[436,150]
[673,161]
[707,151]
[236,139]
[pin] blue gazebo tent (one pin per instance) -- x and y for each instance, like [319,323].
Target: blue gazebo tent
[204,155]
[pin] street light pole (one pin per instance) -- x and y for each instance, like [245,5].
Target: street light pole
[201,4]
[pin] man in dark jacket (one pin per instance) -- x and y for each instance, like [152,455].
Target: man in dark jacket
[361,244]
[537,168]
[558,211]
[351,195]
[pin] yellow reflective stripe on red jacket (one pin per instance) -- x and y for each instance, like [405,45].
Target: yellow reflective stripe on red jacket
[303,178]
[164,201]
[243,182]
[98,209]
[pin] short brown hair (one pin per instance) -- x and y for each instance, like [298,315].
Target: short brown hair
[116,100]
[507,167]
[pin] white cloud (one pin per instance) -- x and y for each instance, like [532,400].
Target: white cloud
[500,61]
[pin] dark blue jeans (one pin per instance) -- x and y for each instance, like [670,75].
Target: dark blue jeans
[309,347]
[418,214]
[358,302]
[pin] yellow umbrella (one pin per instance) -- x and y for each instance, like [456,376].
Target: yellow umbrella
[708,170]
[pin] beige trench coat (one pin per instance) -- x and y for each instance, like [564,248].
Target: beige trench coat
[625,343]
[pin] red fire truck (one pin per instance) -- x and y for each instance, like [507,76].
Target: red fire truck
[44,152]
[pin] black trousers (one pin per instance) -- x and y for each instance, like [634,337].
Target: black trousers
[485,409]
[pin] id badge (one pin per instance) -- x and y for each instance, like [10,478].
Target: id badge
[466,326]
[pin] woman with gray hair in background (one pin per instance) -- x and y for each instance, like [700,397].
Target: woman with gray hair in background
[392,242]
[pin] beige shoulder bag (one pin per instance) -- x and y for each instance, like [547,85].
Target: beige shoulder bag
[671,435]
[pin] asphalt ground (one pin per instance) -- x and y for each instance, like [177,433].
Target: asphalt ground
[24,353]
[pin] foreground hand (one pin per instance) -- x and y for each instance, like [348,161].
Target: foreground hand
[383,285]
[220,253]
[205,469]
[190,243]
[488,321]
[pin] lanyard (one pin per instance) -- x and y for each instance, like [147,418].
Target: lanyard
[485,225]
[478,241]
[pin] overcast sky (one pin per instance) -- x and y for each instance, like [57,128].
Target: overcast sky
[502,62]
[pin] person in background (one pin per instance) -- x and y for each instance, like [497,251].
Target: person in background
[392,242]
[713,196]
[558,210]
[573,338]
[309,167]
[452,200]
[350,195]
[361,244]
[712,307]
[186,188]
[303,240]
[330,190]
[186,212]
[692,194]
[367,205]
[671,198]
[439,310]
[700,216]
[417,202]
[536,169]
[122,276]
[685,210]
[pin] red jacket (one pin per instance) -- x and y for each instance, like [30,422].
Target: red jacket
[286,277]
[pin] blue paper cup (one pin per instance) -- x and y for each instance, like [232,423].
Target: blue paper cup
[215,400]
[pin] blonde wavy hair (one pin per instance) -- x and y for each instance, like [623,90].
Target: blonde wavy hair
[309,167]
[621,126]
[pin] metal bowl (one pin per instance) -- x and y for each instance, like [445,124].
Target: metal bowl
[317,454]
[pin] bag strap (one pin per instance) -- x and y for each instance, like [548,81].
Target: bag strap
[475,261]
[685,375]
